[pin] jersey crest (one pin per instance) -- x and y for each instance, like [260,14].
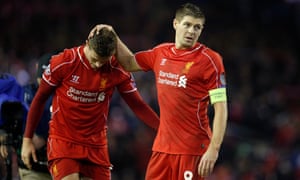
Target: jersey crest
[103,83]
[187,67]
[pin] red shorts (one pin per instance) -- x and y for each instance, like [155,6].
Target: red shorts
[67,158]
[173,167]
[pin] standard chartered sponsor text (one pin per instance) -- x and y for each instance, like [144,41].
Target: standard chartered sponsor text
[168,75]
[168,78]
[83,93]
[82,96]
[167,82]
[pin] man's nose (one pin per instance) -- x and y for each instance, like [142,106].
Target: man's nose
[191,29]
[97,64]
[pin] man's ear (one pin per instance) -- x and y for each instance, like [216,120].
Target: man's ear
[175,22]
[87,43]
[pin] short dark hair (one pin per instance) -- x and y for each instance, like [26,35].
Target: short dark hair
[103,43]
[189,9]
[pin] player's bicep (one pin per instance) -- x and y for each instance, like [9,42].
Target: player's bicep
[134,66]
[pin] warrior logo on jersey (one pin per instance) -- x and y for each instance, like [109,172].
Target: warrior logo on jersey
[101,97]
[75,78]
[163,62]
[187,67]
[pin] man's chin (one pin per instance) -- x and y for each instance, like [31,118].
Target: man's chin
[95,68]
[188,45]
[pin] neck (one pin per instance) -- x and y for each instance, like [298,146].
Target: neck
[86,52]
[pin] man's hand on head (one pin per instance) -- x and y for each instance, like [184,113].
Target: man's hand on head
[98,27]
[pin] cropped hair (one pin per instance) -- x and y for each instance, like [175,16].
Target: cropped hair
[189,9]
[103,43]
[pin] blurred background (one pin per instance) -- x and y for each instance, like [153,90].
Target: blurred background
[259,42]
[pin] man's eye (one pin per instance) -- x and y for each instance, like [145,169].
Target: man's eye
[198,28]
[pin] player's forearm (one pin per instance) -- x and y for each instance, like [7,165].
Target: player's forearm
[219,125]
[125,57]
[148,116]
[36,108]
[33,117]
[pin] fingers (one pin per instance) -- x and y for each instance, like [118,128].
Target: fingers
[27,152]
[205,168]
[3,151]
[3,146]
[26,161]
[97,28]
[101,26]
[34,157]
[28,156]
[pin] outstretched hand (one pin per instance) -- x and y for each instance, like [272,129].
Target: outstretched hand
[98,27]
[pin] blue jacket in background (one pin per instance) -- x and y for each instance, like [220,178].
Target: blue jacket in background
[11,91]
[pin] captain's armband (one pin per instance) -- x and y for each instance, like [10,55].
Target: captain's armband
[217,95]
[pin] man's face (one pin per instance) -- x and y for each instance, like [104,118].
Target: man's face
[97,61]
[188,31]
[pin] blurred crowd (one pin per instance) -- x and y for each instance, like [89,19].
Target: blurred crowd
[259,42]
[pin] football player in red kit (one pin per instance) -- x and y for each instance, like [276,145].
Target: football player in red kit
[82,80]
[189,76]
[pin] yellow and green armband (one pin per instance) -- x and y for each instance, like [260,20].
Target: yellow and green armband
[217,95]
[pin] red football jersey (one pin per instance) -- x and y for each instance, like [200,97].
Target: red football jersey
[81,102]
[183,79]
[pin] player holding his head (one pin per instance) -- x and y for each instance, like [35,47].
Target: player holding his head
[82,80]
[189,76]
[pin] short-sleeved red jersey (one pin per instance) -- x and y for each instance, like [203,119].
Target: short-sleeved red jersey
[183,79]
[81,100]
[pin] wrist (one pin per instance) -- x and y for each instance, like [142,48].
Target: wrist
[213,146]
[27,139]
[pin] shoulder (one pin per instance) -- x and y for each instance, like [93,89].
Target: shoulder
[67,55]
[211,55]
[158,48]
[210,52]
[212,60]
[164,46]
[64,58]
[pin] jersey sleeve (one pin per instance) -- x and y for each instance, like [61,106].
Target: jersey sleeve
[127,85]
[36,108]
[215,72]
[145,59]
[142,110]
